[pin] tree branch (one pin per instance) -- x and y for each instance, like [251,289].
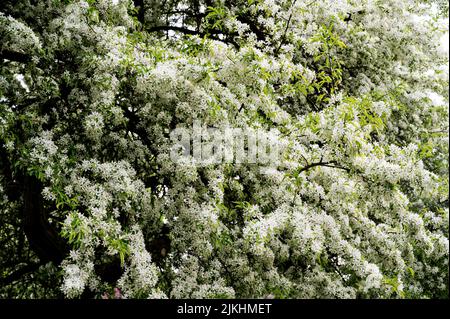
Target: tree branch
[42,236]
[331,164]
[283,38]
[14,56]
[19,273]
[211,34]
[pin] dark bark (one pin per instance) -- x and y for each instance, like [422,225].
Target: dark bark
[211,33]
[18,274]
[43,237]
[332,164]
[141,10]
[14,56]
[12,187]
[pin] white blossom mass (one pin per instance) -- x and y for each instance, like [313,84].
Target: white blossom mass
[352,94]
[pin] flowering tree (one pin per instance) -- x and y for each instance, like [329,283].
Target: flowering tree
[354,93]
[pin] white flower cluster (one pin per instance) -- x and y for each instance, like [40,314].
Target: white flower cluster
[17,36]
[140,275]
[353,94]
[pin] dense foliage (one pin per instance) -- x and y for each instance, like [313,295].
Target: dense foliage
[92,206]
